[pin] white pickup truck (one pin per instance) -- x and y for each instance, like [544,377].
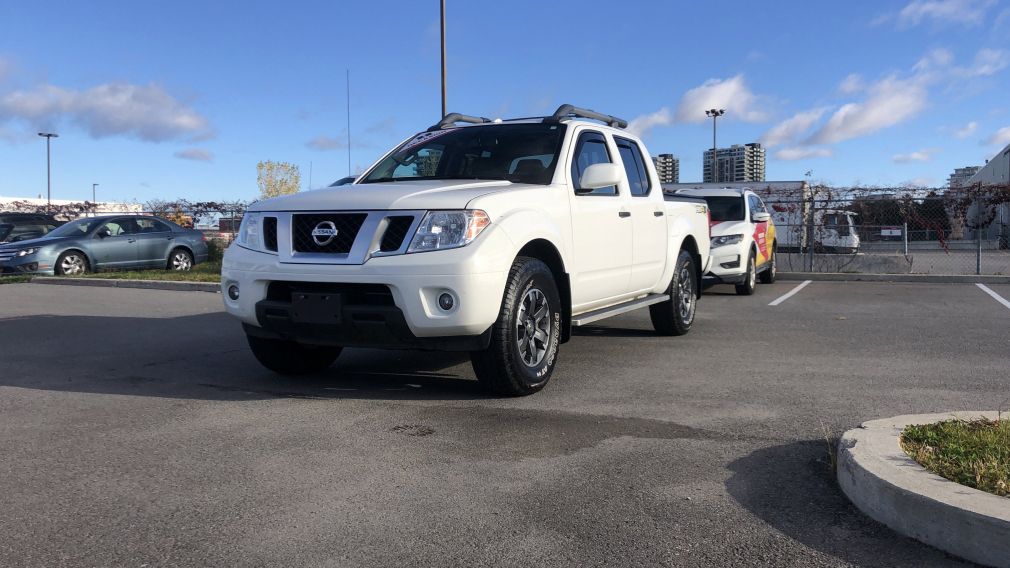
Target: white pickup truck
[493,237]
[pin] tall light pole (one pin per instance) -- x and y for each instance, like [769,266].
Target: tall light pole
[49,184]
[714,113]
[443,55]
[94,200]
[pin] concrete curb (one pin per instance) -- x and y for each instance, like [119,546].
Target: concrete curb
[144,284]
[924,278]
[886,484]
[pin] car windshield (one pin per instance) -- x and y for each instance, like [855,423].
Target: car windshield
[76,228]
[729,208]
[521,153]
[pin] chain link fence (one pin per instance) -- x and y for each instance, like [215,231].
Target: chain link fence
[925,232]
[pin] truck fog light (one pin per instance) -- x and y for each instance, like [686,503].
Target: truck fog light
[446,301]
[233,292]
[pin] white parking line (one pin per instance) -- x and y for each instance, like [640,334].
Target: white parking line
[790,293]
[995,296]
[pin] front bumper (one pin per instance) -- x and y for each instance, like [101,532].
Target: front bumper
[411,318]
[728,266]
[31,264]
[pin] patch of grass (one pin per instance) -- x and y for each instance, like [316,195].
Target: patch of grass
[14,279]
[975,453]
[203,272]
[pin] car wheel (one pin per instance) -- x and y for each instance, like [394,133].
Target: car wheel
[746,288]
[675,316]
[292,358]
[180,260]
[71,263]
[525,339]
[769,274]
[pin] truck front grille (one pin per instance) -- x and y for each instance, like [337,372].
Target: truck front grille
[352,294]
[346,225]
[396,231]
[270,233]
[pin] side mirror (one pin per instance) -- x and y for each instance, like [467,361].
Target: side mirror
[760,217]
[600,175]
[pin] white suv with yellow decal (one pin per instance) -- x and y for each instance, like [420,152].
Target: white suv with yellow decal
[743,238]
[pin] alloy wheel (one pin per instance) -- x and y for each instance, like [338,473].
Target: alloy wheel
[72,264]
[686,291]
[181,261]
[533,327]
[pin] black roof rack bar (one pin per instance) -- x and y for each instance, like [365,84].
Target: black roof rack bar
[454,117]
[564,111]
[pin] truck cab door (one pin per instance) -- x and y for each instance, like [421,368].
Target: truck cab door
[601,230]
[648,219]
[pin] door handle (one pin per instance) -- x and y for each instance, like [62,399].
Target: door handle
[624,213]
[657,213]
[169,238]
[131,240]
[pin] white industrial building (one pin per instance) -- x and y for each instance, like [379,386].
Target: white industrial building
[996,171]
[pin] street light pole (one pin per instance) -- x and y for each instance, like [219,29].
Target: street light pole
[94,200]
[714,113]
[442,4]
[49,185]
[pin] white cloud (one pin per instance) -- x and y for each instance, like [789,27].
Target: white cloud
[196,154]
[145,112]
[966,130]
[917,156]
[803,153]
[1001,137]
[989,62]
[891,101]
[851,84]
[919,182]
[731,94]
[936,58]
[790,129]
[324,143]
[941,12]
[641,125]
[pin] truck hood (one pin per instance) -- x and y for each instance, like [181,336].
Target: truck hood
[404,195]
[731,228]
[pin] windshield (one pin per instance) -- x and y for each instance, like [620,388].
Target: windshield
[726,208]
[77,228]
[521,153]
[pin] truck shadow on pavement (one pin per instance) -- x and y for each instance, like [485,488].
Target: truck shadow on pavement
[792,488]
[205,356]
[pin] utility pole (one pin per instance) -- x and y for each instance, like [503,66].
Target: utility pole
[94,200]
[49,184]
[348,121]
[443,56]
[715,113]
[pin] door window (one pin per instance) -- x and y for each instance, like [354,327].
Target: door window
[634,167]
[590,149]
[756,205]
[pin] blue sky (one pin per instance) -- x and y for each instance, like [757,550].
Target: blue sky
[161,99]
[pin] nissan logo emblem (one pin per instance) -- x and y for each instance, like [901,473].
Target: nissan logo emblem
[324,233]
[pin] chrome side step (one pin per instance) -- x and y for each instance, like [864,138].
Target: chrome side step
[631,305]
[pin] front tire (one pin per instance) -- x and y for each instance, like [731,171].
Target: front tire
[676,315]
[524,340]
[292,358]
[749,284]
[72,263]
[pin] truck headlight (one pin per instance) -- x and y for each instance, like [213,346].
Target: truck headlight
[28,251]
[448,229]
[249,231]
[726,240]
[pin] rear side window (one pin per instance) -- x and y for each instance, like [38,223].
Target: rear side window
[726,208]
[634,167]
[590,149]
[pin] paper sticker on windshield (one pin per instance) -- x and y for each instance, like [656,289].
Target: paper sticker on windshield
[422,138]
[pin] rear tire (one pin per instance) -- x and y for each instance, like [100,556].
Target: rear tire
[770,273]
[676,315]
[746,288]
[525,339]
[292,358]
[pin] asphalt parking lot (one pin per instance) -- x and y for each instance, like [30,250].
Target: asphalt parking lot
[137,429]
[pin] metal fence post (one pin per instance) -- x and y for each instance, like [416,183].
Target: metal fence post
[978,238]
[810,247]
[904,231]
